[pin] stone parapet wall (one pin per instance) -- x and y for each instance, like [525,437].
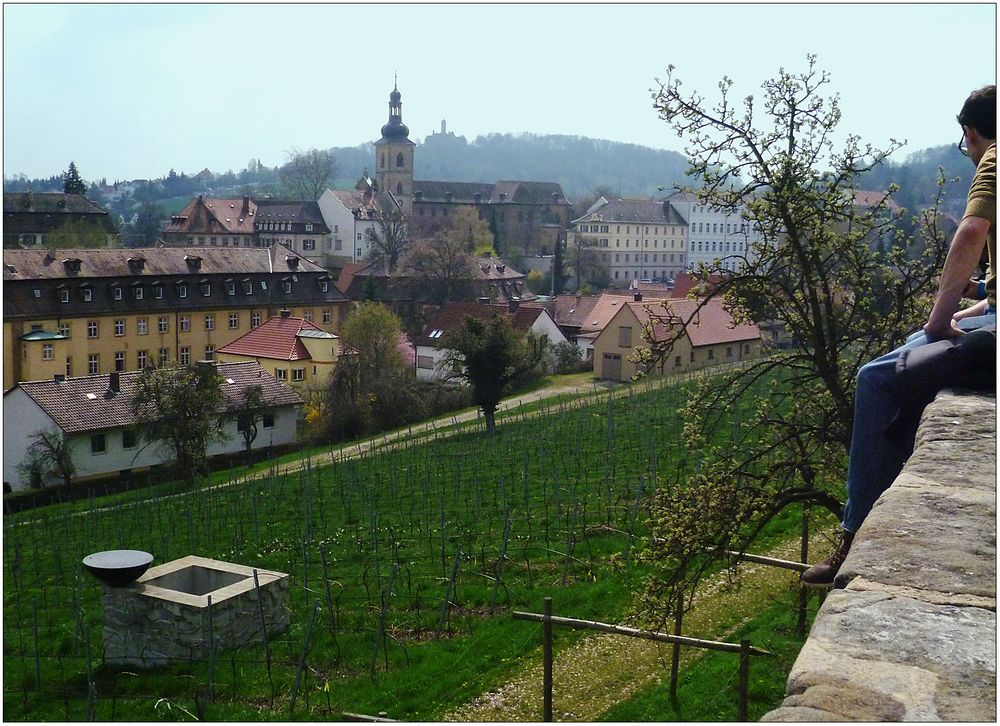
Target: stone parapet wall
[912,634]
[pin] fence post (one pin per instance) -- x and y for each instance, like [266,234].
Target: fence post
[675,661]
[744,683]
[547,662]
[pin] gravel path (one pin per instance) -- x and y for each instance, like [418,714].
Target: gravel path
[601,670]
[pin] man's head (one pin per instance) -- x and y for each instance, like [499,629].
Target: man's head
[978,118]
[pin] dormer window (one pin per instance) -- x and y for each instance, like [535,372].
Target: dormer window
[248,287]
[37,292]
[293,262]
[193,260]
[230,287]
[182,290]
[72,264]
[64,295]
[158,292]
[324,285]
[309,228]
[138,292]
[116,292]
[206,288]
[88,294]
[286,285]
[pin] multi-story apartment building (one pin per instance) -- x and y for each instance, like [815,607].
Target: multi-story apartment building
[713,234]
[639,239]
[88,312]
[349,215]
[299,226]
[33,219]
[214,222]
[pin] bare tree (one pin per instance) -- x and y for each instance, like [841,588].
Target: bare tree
[307,174]
[48,457]
[391,239]
[440,270]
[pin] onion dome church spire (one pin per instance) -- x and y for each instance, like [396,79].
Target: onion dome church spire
[395,129]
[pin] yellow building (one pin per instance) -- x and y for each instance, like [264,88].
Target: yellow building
[710,338]
[292,349]
[86,312]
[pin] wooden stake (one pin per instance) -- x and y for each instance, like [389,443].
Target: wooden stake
[744,683]
[547,662]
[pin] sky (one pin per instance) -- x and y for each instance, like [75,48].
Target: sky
[132,90]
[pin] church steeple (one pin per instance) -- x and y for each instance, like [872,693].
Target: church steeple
[395,129]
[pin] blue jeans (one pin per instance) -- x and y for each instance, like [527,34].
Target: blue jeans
[874,461]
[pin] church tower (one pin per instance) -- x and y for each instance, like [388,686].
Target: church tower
[394,155]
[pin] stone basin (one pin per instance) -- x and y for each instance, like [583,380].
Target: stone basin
[164,616]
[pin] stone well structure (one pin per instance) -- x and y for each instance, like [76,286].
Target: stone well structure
[164,615]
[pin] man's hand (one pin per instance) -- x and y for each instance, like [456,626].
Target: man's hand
[943,332]
[963,256]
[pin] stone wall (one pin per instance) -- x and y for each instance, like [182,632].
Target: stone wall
[911,636]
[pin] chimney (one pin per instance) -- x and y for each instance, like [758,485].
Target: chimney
[638,296]
[477,197]
[512,305]
[503,196]
[113,383]
[285,313]
[246,206]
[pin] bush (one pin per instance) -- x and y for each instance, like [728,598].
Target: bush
[567,358]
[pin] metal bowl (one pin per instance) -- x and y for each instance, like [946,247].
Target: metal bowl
[118,568]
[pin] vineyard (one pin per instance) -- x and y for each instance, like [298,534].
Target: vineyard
[405,565]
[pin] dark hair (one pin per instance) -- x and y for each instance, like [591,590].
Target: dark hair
[980,112]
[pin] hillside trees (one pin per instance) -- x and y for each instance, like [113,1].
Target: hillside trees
[182,409]
[489,356]
[306,174]
[817,275]
[72,183]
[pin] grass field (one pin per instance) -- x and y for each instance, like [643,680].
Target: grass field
[404,563]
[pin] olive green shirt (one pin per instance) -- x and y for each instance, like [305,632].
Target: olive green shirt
[982,203]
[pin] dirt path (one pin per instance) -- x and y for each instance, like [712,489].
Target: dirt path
[601,670]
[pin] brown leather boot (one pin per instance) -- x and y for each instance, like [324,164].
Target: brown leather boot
[823,573]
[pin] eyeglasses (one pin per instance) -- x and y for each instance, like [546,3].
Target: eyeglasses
[962,145]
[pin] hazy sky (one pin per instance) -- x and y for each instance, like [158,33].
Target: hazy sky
[129,91]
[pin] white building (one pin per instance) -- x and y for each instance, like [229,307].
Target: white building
[432,357]
[349,215]
[638,239]
[712,234]
[93,413]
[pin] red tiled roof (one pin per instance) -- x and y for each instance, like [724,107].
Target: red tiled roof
[685,281]
[276,338]
[453,315]
[710,325]
[212,215]
[69,405]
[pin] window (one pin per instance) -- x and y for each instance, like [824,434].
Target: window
[298,374]
[142,358]
[624,337]
[247,287]
[308,315]
[230,288]
[163,324]
[138,292]
[254,320]
[268,421]
[206,288]
[182,291]
[308,245]
[119,361]
[129,439]
[327,316]
[209,352]
[677,361]
[185,323]
[116,292]
[692,356]
[286,286]
[185,355]
[746,347]
[324,285]
[92,329]
[234,321]
[142,326]
[64,295]
[281,374]
[711,354]
[93,364]
[119,327]
[163,355]
[425,361]
[729,351]
[309,228]
[47,351]
[63,329]
[209,321]
[338,244]
[158,292]
[98,444]
[69,365]
[88,294]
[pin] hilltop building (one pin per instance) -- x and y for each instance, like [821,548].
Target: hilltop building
[713,234]
[76,312]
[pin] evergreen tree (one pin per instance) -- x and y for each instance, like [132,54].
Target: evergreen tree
[558,274]
[72,183]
